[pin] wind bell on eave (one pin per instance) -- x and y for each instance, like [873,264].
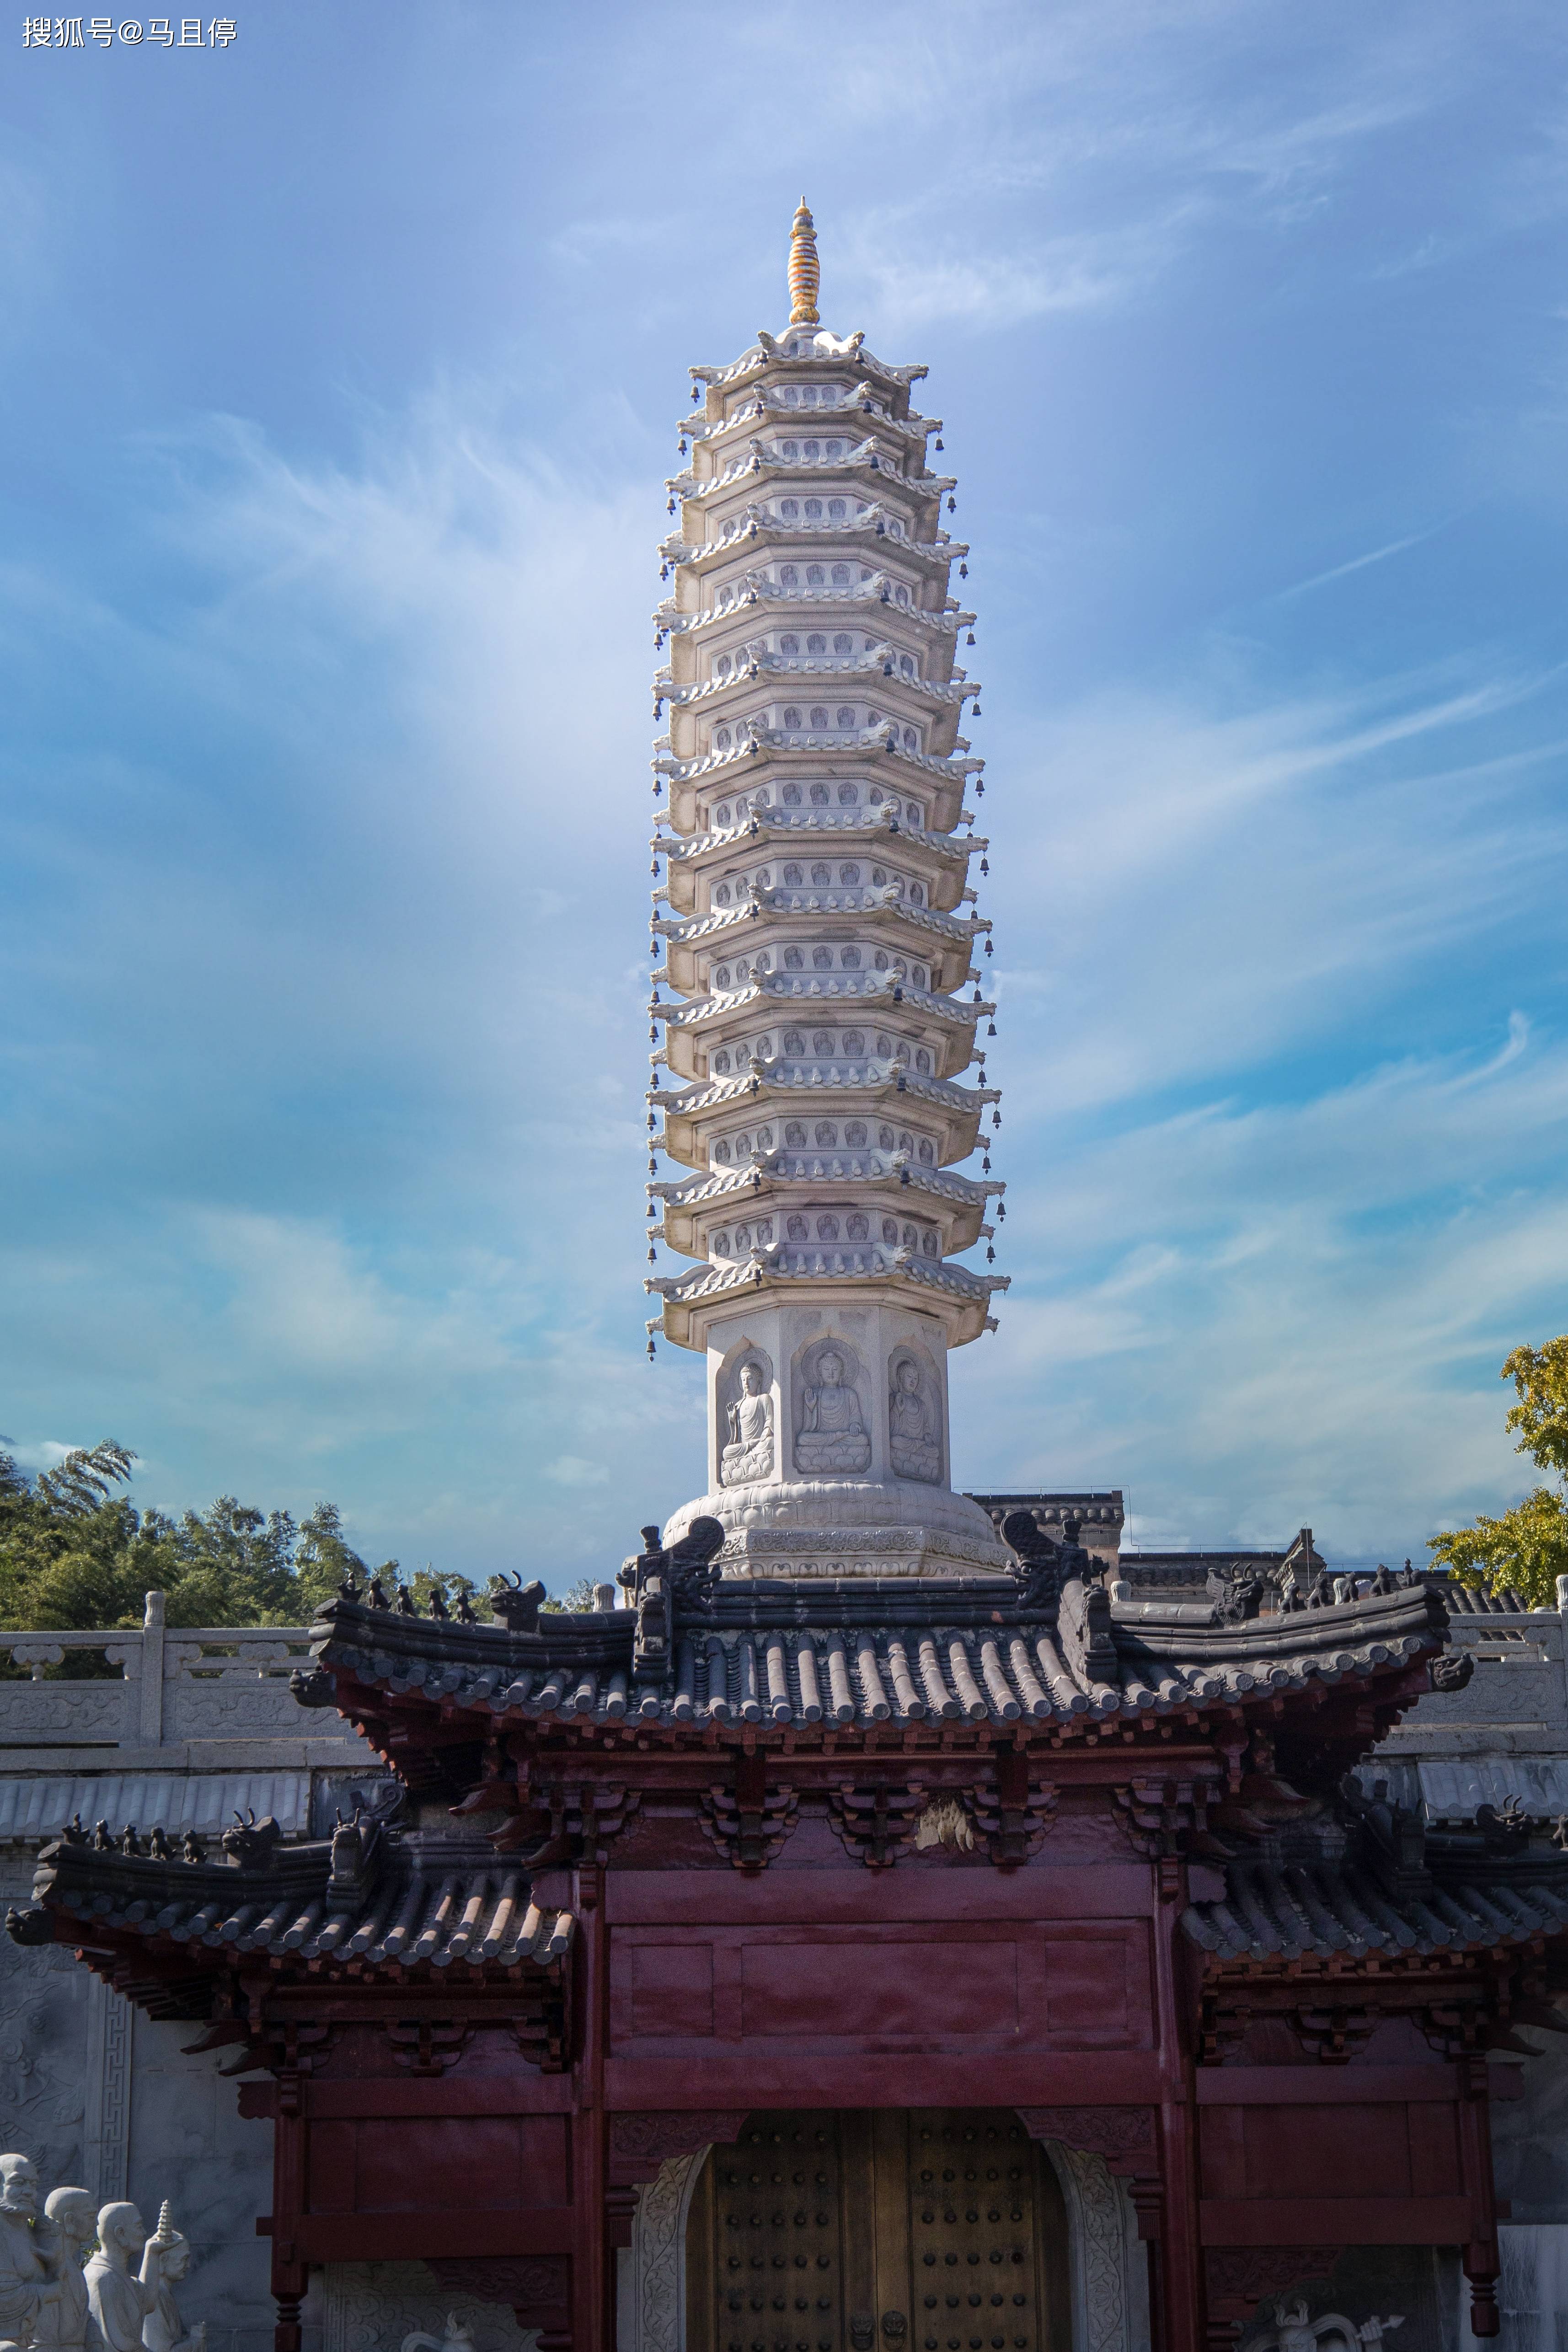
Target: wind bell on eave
[819,945]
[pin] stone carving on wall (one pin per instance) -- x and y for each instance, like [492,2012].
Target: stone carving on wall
[830,1434]
[914,1426]
[43,1997]
[749,1421]
[376,2306]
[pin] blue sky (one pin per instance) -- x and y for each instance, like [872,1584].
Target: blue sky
[342,371]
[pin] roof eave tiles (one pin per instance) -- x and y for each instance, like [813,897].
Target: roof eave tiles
[883,1649]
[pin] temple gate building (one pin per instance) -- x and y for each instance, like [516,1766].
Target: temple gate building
[893,1920]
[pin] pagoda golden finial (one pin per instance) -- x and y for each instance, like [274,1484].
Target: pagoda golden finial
[803,271]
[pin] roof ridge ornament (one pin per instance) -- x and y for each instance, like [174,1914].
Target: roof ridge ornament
[804,275]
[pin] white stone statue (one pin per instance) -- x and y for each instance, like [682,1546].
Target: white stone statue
[912,1426]
[122,2299]
[163,2330]
[63,2325]
[749,1453]
[1295,2332]
[27,2285]
[833,1434]
[459,2337]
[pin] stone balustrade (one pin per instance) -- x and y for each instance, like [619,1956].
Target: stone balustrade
[191,1699]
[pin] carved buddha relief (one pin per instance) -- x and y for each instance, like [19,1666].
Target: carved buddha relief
[748,1425]
[831,1433]
[914,1426]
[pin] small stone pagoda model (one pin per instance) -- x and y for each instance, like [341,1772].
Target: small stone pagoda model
[823,953]
[897,1927]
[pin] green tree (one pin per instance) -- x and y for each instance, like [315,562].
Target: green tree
[1526,1549]
[323,1557]
[425,1580]
[579,1596]
[76,1555]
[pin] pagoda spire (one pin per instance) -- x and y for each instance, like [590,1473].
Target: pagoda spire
[804,276]
[818,997]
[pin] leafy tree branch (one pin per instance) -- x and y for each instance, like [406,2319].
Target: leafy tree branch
[77,1556]
[1525,1549]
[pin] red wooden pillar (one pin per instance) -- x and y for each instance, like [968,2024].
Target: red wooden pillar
[1176,2289]
[291,2276]
[1481,2259]
[592,2302]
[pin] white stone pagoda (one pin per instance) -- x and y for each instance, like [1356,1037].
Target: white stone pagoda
[821,958]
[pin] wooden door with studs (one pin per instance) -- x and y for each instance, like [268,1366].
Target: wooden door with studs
[926,2229]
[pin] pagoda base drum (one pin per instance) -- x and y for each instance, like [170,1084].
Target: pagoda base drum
[828,1453]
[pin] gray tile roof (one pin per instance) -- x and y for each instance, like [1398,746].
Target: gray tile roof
[33,1811]
[1278,1909]
[405,1902]
[1446,1790]
[863,1651]
[1477,1601]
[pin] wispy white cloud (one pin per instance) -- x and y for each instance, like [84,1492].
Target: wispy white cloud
[1355,563]
[1112,118]
[1265,877]
[1302,1309]
[36,1453]
[323,971]
[1084,270]
[1204,1286]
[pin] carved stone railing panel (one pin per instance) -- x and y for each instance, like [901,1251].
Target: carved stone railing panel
[208,1683]
[68,1715]
[232,1688]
